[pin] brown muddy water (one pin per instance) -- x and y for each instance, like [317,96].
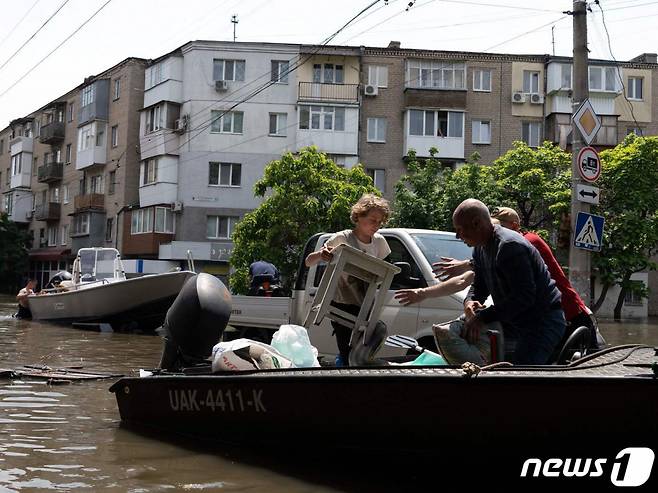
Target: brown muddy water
[69,438]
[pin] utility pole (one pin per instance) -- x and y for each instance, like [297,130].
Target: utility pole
[579,260]
[234,20]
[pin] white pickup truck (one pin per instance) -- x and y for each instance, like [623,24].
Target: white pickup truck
[418,248]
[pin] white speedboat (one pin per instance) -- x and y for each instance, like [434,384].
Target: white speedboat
[100,292]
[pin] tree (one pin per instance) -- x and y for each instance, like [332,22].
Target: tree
[13,254]
[303,194]
[629,204]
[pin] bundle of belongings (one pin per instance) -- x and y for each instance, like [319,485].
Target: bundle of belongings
[456,350]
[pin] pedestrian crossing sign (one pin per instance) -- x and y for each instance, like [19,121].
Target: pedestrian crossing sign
[589,232]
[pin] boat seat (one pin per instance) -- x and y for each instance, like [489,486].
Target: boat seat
[374,272]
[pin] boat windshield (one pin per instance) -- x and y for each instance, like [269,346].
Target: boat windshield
[434,246]
[97,264]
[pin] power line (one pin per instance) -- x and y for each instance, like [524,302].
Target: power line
[554,21]
[19,22]
[34,34]
[480,4]
[55,49]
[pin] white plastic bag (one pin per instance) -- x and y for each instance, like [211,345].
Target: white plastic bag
[245,354]
[292,341]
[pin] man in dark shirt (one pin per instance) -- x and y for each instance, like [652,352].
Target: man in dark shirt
[263,270]
[507,267]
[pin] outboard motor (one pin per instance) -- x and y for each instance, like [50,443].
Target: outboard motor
[58,278]
[195,322]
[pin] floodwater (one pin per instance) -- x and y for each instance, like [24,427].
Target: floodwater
[69,438]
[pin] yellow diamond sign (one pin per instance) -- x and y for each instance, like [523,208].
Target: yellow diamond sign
[587,121]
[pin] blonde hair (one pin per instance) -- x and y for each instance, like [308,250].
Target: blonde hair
[367,203]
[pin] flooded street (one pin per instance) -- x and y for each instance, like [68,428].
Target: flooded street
[68,437]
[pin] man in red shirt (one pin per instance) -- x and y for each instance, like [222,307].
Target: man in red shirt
[576,312]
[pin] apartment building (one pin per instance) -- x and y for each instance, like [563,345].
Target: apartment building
[72,166]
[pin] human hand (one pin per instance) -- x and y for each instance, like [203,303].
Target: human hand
[472,329]
[326,253]
[409,296]
[470,307]
[448,268]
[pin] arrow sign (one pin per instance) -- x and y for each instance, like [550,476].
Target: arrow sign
[587,193]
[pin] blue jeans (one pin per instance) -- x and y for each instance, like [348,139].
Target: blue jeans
[536,344]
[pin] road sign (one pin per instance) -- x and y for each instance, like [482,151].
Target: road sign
[589,232]
[588,193]
[587,121]
[589,164]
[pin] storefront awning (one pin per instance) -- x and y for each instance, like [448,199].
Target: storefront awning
[50,253]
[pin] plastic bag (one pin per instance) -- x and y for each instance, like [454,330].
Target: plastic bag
[245,354]
[293,342]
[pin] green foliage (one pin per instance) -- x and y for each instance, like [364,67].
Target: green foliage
[304,194]
[13,254]
[629,204]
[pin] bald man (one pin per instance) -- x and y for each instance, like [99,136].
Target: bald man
[507,267]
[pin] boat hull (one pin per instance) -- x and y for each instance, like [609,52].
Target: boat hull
[141,300]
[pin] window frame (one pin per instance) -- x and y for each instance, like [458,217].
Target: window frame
[217,123]
[278,116]
[436,124]
[322,115]
[377,121]
[223,165]
[224,62]
[480,79]
[380,72]
[231,221]
[167,214]
[149,172]
[532,80]
[374,173]
[635,80]
[141,221]
[432,74]
[277,78]
[530,124]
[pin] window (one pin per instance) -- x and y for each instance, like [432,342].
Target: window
[565,76]
[481,132]
[142,221]
[436,123]
[88,95]
[115,135]
[532,133]
[221,227]
[2,146]
[117,89]
[531,82]
[154,118]
[81,224]
[16,164]
[280,70]
[322,118]
[100,135]
[68,153]
[328,73]
[57,155]
[65,194]
[54,194]
[632,297]
[228,70]
[278,124]
[635,88]
[153,75]
[482,80]
[164,220]
[9,204]
[378,177]
[60,116]
[70,113]
[52,235]
[109,226]
[37,128]
[149,171]
[436,75]
[226,123]
[376,129]
[65,234]
[225,174]
[602,79]
[85,136]
[113,177]
[378,75]
[96,184]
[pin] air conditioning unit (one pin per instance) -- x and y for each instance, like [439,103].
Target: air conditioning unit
[518,97]
[221,86]
[177,206]
[537,99]
[180,125]
[370,90]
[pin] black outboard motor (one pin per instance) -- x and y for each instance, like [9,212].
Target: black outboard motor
[195,322]
[57,278]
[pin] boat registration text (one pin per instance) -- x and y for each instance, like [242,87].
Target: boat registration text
[226,401]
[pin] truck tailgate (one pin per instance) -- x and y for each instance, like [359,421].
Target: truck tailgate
[259,311]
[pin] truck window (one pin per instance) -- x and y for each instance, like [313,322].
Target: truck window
[300,282]
[435,246]
[399,253]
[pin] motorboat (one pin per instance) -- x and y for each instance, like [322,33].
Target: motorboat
[99,291]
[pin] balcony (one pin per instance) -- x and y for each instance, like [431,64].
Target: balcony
[52,133]
[50,211]
[89,201]
[325,93]
[21,144]
[50,172]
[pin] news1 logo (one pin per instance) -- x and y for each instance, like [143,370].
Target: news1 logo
[631,467]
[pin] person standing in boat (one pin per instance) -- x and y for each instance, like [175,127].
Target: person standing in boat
[507,267]
[368,215]
[21,297]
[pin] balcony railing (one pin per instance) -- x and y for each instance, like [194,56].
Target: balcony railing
[320,92]
[52,133]
[50,211]
[50,172]
[89,201]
